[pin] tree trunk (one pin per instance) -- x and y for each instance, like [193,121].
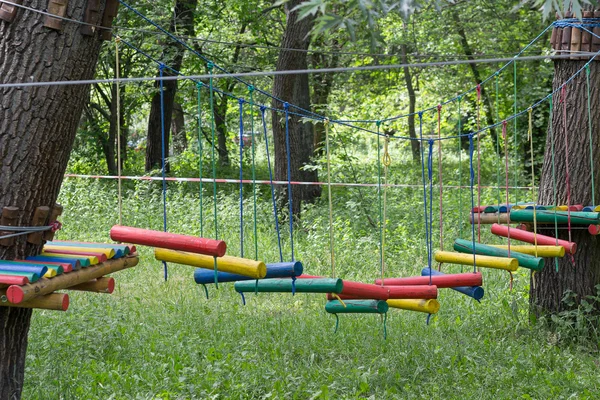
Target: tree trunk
[37,131]
[220,109]
[178,130]
[412,102]
[294,89]
[322,85]
[550,286]
[183,19]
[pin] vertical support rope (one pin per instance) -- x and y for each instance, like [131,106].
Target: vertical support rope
[210,67]
[589,110]
[472,183]
[499,161]
[251,93]
[387,161]
[567,178]
[286,107]
[277,230]
[163,156]
[331,237]
[553,179]
[241,103]
[505,137]
[533,197]
[441,183]
[424,192]
[478,160]
[379,200]
[200,154]
[460,191]
[515,142]
[430,175]
[118,101]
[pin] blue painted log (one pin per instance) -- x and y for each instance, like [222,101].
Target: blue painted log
[475,292]
[275,270]
[73,261]
[39,270]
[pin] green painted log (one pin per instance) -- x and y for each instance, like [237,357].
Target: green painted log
[357,306]
[490,209]
[31,276]
[320,285]
[525,260]
[547,217]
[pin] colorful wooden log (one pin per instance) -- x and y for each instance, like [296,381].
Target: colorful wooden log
[94,259]
[40,270]
[31,277]
[81,262]
[18,294]
[67,267]
[53,301]
[59,268]
[509,264]
[530,237]
[441,281]
[126,249]
[234,265]
[475,292]
[478,209]
[391,292]
[88,251]
[357,307]
[561,217]
[594,229]
[321,285]
[429,306]
[276,270]
[170,241]
[525,260]
[542,251]
[100,285]
[7,280]
[488,218]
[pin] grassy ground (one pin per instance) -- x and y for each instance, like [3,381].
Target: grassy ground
[165,340]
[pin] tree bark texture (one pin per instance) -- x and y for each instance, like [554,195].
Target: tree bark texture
[322,85]
[182,23]
[550,285]
[178,129]
[294,89]
[37,131]
[412,103]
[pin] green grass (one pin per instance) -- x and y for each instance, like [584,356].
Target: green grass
[164,340]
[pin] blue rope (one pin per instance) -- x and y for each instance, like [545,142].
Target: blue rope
[472,173]
[424,194]
[430,174]
[241,102]
[289,175]
[262,112]
[163,155]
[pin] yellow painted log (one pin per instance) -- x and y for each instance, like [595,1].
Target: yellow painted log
[52,301]
[542,251]
[509,264]
[234,265]
[51,273]
[108,252]
[93,259]
[430,306]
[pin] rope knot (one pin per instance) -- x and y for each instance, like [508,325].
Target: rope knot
[118,39]
[504,123]
[387,159]
[210,65]
[251,88]
[199,85]
[420,113]
[286,106]
[241,101]
[55,226]
[439,107]
[263,108]
[326,121]
[161,66]
[378,123]
[478,92]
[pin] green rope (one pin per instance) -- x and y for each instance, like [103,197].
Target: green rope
[385,326]
[200,154]
[554,182]
[379,198]
[251,90]
[589,107]
[214,164]
[515,150]
[460,208]
[337,323]
[499,160]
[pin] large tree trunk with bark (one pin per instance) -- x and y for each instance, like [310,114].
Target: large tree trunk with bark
[294,89]
[581,278]
[415,145]
[37,131]
[182,23]
[178,130]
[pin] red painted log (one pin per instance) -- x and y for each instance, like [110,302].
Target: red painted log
[166,240]
[7,280]
[530,237]
[441,281]
[413,292]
